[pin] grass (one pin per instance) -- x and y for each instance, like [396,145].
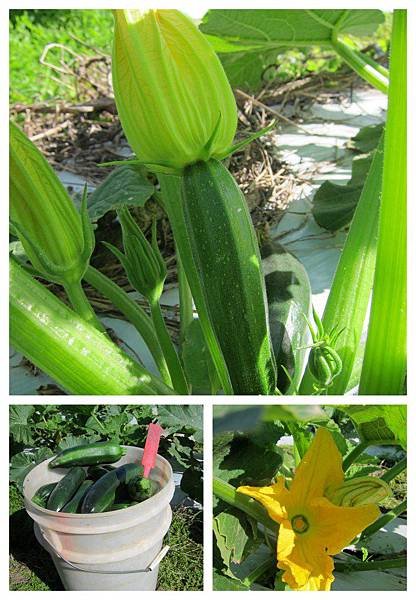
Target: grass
[87,31]
[32,569]
[82,31]
[182,568]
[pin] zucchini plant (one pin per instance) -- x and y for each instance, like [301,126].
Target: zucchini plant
[296,472]
[245,308]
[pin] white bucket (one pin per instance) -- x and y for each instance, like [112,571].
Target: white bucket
[118,550]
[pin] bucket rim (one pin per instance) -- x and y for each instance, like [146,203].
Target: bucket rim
[146,502]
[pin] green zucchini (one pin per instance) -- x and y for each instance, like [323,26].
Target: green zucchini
[227,259]
[289,301]
[88,454]
[141,488]
[96,471]
[42,494]
[101,495]
[74,504]
[65,489]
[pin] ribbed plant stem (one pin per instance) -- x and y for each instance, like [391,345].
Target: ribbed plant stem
[354,454]
[133,313]
[384,366]
[384,519]
[360,65]
[80,304]
[185,301]
[73,352]
[394,471]
[229,494]
[172,360]
[349,297]
[370,565]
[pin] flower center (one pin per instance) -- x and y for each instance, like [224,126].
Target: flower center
[300,524]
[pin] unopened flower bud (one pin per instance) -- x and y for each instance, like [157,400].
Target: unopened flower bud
[173,98]
[57,239]
[358,491]
[143,262]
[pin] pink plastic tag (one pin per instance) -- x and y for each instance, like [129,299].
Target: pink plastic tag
[151,447]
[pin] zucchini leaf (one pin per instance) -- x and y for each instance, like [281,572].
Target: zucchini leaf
[249,41]
[125,185]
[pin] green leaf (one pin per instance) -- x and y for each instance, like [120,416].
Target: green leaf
[334,204]
[258,562]
[367,138]
[301,412]
[236,417]
[222,583]
[380,423]
[235,537]
[111,426]
[19,417]
[192,483]
[70,441]
[198,364]
[180,418]
[248,41]
[23,462]
[125,185]
[237,460]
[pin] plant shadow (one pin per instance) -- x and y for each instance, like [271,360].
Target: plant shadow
[25,549]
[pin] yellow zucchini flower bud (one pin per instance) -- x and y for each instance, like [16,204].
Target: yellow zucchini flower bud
[173,98]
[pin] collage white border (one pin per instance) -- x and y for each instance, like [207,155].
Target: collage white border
[189,7]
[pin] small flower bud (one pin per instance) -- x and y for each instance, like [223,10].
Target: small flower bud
[143,263]
[358,491]
[174,100]
[57,240]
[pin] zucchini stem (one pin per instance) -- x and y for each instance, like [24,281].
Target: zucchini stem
[134,314]
[185,302]
[81,305]
[172,360]
[354,454]
[364,68]
[384,519]
[394,471]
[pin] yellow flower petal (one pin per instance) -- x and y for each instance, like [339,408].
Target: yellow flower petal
[273,497]
[320,467]
[337,526]
[306,564]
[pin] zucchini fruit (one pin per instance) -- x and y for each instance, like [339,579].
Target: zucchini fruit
[226,256]
[289,301]
[65,489]
[73,505]
[101,495]
[96,471]
[42,494]
[141,488]
[88,454]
